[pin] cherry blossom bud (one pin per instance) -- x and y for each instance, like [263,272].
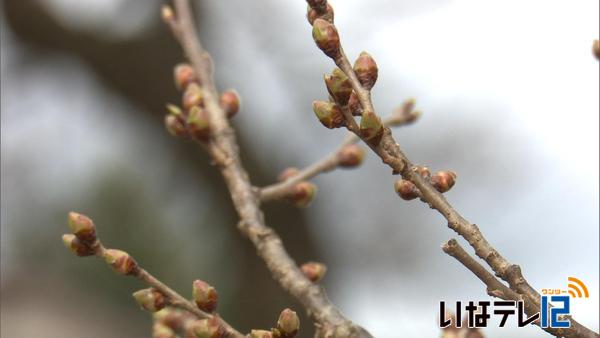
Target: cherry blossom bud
[120,261]
[371,128]
[150,299]
[366,70]
[78,247]
[288,323]
[184,75]
[205,296]
[160,330]
[326,37]
[174,109]
[354,105]
[230,102]
[82,227]
[330,114]
[314,271]
[312,14]
[175,126]
[406,189]
[317,4]
[208,328]
[287,173]
[350,156]
[339,86]
[193,96]
[166,13]
[198,123]
[302,194]
[443,181]
[261,334]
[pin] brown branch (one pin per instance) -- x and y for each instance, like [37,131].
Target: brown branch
[85,242]
[404,115]
[389,151]
[329,320]
[495,288]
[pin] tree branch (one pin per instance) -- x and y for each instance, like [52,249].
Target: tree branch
[385,146]
[329,320]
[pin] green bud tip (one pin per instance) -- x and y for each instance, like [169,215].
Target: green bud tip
[230,102]
[175,125]
[330,114]
[174,109]
[150,299]
[406,190]
[193,96]
[339,86]
[208,328]
[184,75]
[82,227]
[326,37]
[371,128]
[78,247]
[350,156]
[205,296]
[288,323]
[161,330]
[261,334]
[120,261]
[314,271]
[198,123]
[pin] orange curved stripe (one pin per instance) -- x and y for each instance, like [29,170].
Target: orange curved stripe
[585,290]
[574,287]
[572,294]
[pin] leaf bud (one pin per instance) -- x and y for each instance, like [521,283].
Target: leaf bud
[406,190]
[184,75]
[78,247]
[120,261]
[326,37]
[175,126]
[351,155]
[288,323]
[371,128]
[82,227]
[330,114]
[314,271]
[192,96]
[339,86]
[205,296]
[312,14]
[198,123]
[443,181]
[303,194]
[366,70]
[230,102]
[150,299]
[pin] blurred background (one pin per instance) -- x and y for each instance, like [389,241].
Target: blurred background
[509,92]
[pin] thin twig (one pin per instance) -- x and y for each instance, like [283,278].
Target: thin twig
[269,246]
[279,190]
[173,298]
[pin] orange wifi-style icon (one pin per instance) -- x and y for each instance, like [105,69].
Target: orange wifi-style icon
[577,289]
